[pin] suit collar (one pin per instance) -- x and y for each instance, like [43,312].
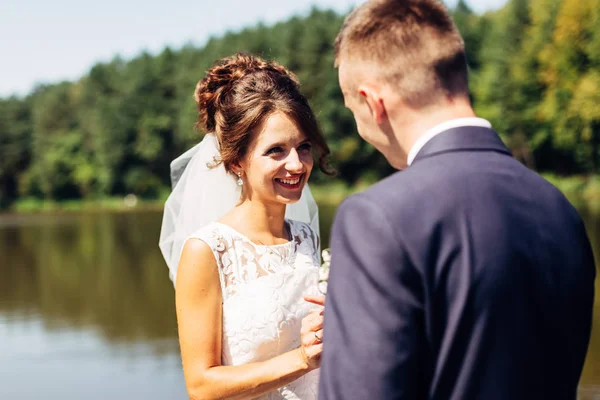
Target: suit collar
[465,138]
[443,127]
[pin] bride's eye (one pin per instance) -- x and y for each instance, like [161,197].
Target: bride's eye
[305,147]
[274,150]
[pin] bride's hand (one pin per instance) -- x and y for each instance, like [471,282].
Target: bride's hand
[312,334]
[318,300]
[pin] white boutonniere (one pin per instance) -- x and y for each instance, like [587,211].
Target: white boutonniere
[324,270]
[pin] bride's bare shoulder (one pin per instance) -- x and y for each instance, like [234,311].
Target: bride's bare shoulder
[197,264]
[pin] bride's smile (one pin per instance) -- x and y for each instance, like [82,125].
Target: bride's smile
[292,182]
[282,154]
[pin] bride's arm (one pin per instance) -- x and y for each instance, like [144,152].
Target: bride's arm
[199,316]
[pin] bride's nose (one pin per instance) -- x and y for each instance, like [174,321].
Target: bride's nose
[293,163]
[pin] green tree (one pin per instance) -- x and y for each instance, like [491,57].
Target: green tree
[534,134]
[495,88]
[571,75]
[15,145]
[100,118]
[56,139]
[471,27]
[534,68]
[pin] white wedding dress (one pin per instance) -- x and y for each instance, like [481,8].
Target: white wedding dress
[263,305]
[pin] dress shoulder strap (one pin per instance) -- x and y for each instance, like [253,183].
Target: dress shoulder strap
[218,242]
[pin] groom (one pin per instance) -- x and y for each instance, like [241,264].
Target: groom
[464,276]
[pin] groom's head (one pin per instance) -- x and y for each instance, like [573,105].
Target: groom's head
[399,60]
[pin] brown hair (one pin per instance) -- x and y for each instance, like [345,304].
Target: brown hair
[414,44]
[237,95]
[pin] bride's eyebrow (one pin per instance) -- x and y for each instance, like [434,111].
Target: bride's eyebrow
[276,144]
[285,144]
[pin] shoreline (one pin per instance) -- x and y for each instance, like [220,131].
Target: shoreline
[582,191]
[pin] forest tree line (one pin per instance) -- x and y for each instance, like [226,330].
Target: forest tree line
[534,73]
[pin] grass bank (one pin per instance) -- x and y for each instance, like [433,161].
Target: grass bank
[582,191]
[334,193]
[127,203]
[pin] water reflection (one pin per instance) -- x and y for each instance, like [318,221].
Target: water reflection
[590,378]
[87,309]
[103,271]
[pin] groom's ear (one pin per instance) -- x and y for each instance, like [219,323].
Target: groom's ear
[374,101]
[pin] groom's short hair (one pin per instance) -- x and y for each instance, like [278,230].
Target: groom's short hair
[412,44]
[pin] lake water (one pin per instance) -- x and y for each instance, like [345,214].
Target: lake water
[87,309]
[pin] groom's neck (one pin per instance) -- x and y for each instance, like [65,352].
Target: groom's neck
[415,123]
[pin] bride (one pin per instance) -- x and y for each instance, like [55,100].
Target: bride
[245,267]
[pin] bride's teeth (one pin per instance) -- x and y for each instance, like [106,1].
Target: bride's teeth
[290,182]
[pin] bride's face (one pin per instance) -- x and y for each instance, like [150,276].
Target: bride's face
[278,162]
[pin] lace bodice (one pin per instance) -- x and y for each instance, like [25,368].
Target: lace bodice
[263,289]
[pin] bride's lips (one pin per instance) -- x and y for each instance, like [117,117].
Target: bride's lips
[291,183]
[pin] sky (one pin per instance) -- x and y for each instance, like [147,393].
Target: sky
[45,41]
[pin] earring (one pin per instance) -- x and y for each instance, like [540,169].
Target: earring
[240,182]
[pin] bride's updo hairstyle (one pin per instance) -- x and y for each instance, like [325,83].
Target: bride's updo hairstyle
[240,92]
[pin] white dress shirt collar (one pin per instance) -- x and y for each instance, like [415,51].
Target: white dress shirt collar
[444,126]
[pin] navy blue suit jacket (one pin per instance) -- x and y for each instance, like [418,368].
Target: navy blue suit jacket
[465,276]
